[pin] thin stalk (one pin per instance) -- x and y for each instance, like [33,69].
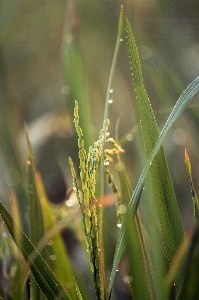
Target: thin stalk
[110,83]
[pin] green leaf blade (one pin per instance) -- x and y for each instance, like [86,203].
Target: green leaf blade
[179,107]
[57,248]
[45,278]
[36,227]
[140,265]
[164,195]
[194,195]
[189,288]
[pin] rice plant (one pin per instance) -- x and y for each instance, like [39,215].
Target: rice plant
[158,259]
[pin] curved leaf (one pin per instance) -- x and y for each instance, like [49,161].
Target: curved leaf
[45,278]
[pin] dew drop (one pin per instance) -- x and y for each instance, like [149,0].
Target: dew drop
[117,270]
[110,101]
[69,203]
[53,257]
[28,162]
[122,209]
[119,225]
[127,279]
[111,91]
[106,163]
[129,137]
[5,234]
[121,40]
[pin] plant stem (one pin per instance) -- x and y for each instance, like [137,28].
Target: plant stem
[115,56]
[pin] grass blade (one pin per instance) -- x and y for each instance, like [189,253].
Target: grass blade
[10,151]
[45,278]
[74,71]
[164,195]
[36,226]
[79,296]
[194,195]
[140,265]
[189,288]
[179,107]
[56,246]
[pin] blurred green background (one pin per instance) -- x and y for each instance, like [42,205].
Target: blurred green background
[53,52]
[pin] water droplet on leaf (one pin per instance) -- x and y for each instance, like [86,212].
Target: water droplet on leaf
[53,257]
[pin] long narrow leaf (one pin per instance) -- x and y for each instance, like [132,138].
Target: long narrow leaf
[57,247]
[74,71]
[45,278]
[169,215]
[140,266]
[36,227]
[189,288]
[179,107]
[194,195]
